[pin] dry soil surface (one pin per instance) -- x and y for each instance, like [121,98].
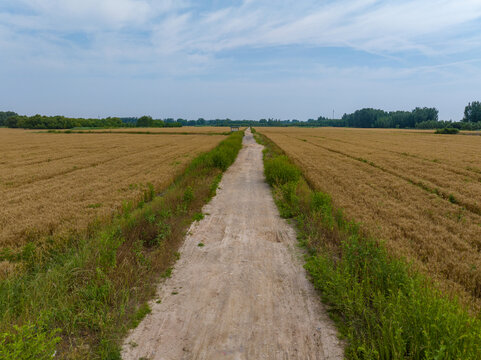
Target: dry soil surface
[244,294]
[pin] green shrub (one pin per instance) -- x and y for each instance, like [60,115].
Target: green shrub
[222,156]
[29,342]
[279,171]
[321,202]
[288,199]
[227,151]
[447,131]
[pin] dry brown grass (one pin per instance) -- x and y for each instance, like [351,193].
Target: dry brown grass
[419,192]
[58,183]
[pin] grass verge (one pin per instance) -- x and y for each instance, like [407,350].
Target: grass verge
[78,297]
[383,308]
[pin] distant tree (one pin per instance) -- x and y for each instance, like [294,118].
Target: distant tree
[145,121]
[12,121]
[200,121]
[4,115]
[157,123]
[384,122]
[112,122]
[364,118]
[129,121]
[60,122]
[424,114]
[472,112]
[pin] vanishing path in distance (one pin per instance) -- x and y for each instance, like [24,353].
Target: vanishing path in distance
[244,294]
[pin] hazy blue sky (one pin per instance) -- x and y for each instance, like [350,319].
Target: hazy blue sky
[238,59]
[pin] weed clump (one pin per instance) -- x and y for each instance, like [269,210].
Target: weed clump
[188,195]
[167,273]
[279,171]
[198,216]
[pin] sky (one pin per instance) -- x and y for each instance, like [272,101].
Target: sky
[251,59]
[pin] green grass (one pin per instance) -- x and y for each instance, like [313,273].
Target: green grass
[27,342]
[92,286]
[279,171]
[167,273]
[383,308]
[198,216]
[139,315]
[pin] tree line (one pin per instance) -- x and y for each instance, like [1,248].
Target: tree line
[375,118]
[59,122]
[419,118]
[13,120]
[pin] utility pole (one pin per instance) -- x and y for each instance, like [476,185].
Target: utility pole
[332,114]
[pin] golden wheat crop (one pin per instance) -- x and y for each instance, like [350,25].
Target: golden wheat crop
[56,183]
[184,129]
[417,191]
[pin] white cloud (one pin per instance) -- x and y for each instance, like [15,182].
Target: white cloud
[429,26]
[371,25]
[128,39]
[87,15]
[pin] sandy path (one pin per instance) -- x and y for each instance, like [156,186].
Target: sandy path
[244,295]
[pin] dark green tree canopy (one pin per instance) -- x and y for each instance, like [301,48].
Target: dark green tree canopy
[145,121]
[4,115]
[472,112]
[375,118]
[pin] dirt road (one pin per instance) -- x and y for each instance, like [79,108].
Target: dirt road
[244,294]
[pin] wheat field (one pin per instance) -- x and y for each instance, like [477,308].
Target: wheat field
[59,183]
[157,130]
[418,192]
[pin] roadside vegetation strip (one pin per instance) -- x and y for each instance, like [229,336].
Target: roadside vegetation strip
[383,308]
[78,300]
